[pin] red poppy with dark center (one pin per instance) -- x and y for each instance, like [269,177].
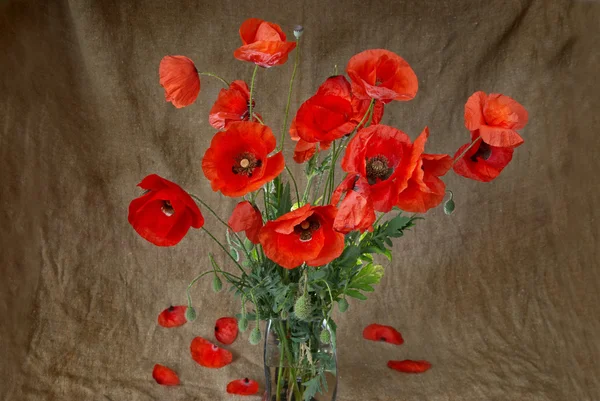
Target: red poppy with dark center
[179,76]
[164,213]
[378,332]
[425,190]
[329,115]
[173,316]
[482,162]
[409,366]
[382,75]
[165,376]
[264,43]
[356,210]
[208,354]
[231,106]
[496,117]
[226,330]
[242,387]
[237,160]
[303,235]
[246,217]
[384,156]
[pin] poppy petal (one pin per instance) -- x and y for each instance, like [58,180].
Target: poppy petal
[304,151]
[500,137]
[165,376]
[502,111]
[208,354]
[246,217]
[179,77]
[226,330]
[173,316]
[474,111]
[242,387]
[378,332]
[409,366]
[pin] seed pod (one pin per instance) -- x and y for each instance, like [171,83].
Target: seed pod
[255,335]
[325,336]
[343,305]
[243,324]
[302,307]
[190,314]
[217,284]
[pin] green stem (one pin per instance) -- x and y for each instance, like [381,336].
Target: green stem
[289,99]
[189,298]
[210,74]
[258,119]
[225,250]
[294,181]
[252,90]
[466,150]
[224,223]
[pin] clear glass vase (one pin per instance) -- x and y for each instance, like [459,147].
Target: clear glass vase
[300,361]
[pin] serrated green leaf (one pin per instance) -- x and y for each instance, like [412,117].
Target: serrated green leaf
[355,294]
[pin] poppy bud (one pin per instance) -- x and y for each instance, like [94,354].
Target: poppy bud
[302,307]
[298,31]
[343,305]
[449,204]
[243,324]
[217,284]
[190,314]
[325,336]
[255,336]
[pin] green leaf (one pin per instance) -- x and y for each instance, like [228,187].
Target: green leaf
[355,294]
[349,256]
[285,202]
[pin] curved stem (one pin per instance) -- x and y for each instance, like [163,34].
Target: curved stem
[210,74]
[294,181]
[224,250]
[252,90]
[189,298]
[223,222]
[258,119]
[466,150]
[289,99]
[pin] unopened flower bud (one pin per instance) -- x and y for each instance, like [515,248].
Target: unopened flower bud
[343,305]
[243,324]
[190,314]
[298,31]
[255,336]
[217,284]
[325,336]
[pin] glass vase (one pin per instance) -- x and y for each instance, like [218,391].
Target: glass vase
[300,361]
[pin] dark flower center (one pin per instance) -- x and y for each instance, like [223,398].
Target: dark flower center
[383,339]
[245,164]
[216,328]
[306,228]
[167,208]
[484,152]
[246,380]
[171,308]
[378,168]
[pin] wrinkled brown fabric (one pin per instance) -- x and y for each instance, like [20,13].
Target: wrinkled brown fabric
[501,297]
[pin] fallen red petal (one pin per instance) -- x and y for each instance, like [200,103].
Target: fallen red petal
[173,316]
[226,330]
[409,366]
[378,332]
[208,354]
[243,387]
[165,376]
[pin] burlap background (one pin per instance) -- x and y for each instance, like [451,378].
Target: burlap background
[502,297]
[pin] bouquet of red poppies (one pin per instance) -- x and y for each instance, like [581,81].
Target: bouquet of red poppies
[296,252]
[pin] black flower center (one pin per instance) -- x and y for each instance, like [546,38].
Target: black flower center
[306,229]
[246,380]
[484,152]
[245,164]
[378,169]
[167,208]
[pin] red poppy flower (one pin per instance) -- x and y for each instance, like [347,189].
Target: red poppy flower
[173,316]
[482,162]
[496,117]
[378,332]
[165,376]
[231,105]
[382,75]
[165,213]
[385,157]
[425,190]
[179,76]
[329,115]
[226,330]
[264,43]
[356,210]
[236,161]
[408,366]
[242,387]
[246,217]
[208,354]
[303,235]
